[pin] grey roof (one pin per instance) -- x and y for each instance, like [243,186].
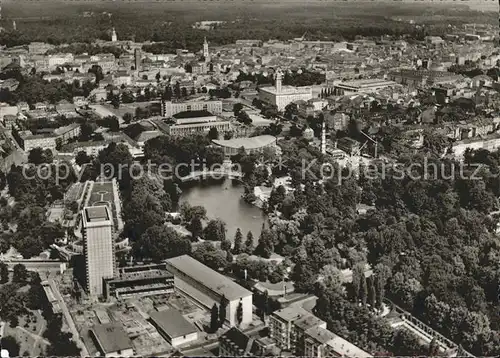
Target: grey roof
[247,143]
[320,334]
[248,346]
[209,278]
[339,345]
[307,322]
[96,213]
[172,323]
[111,338]
[291,313]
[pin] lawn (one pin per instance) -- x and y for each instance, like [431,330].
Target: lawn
[29,334]
[101,192]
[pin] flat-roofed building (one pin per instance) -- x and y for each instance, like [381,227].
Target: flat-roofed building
[112,340]
[298,331]
[208,286]
[362,86]
[98,248]
[283,330]
[54,302]
[169,108]
[66,133]
[348,145]
[187,117]
[6,110]
[174,327]
[249,43]
[186,129]
[250,145]
[281,95]
[91,148]
[144,280]
[196,122]
[44,141]
[423,78]
[320,342]
[301,326]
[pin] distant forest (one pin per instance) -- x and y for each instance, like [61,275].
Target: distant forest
[171,23]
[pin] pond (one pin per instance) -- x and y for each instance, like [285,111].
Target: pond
[223,199]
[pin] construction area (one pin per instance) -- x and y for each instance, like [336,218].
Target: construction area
[133,315]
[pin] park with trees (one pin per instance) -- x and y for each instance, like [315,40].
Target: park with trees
[20,297]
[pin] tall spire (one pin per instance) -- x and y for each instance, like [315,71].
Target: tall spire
[323,138]
[114,38]
[279,77]
[206,54]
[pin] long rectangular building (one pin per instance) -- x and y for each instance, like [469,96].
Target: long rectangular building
[208,287]
[169,108]
[187,129]
[144,280]
[98,249]
[362,86]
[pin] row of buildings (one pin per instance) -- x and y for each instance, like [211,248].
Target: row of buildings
[293,329]
[186,274]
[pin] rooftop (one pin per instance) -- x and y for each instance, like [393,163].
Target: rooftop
[339,345]
[142,275]
[308,322]
[173,323]
[211,279]
[96,213]
[287,90]
[320,334]
[292,313]
[367,83]
[246,344]
[247,143]
[111,338]
[192,114]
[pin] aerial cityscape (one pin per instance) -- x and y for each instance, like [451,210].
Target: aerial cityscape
[249,178]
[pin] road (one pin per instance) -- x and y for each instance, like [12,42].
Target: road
[104,112]
[76,336]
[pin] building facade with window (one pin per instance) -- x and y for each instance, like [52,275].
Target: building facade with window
[280,95]
[98,248]
[208,287]
[169,108]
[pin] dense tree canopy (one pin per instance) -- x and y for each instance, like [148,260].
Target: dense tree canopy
[161,242]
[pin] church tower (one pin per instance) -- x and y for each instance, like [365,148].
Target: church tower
[114,38]
[279,77]
[206,54]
